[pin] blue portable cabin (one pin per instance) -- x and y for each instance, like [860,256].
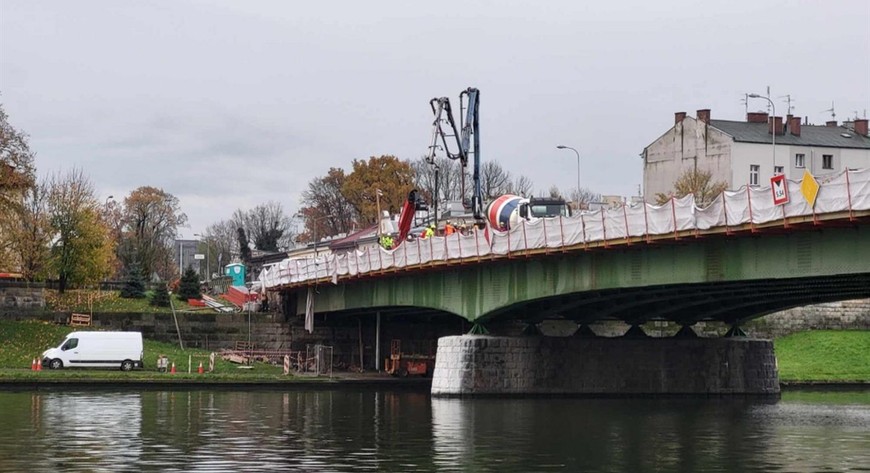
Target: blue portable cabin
[237,272]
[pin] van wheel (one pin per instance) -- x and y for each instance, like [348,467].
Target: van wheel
[55,364]
[126,365]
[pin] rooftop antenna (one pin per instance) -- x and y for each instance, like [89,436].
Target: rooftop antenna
[745,101]
[788,100]
[833,113]
[768,97]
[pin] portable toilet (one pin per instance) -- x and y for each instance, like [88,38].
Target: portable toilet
[237,272]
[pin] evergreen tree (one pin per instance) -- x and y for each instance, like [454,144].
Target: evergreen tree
[134,285]
[244,249]
[189,287]
[161,296]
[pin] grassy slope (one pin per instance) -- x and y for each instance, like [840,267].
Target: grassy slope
[20,342]
[824,355]
[85,301]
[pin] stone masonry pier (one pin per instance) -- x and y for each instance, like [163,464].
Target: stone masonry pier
[469,365]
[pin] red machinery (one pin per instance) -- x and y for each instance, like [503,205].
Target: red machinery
[404,364]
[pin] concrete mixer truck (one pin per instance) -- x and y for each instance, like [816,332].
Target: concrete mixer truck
[508,210]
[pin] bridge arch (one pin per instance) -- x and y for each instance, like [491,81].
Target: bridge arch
[726,277]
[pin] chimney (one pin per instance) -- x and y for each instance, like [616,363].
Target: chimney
[704,115]
[794,125]
[775,123]
[831,123]
[861,126]
[678,117]
[787,122]
[756,117]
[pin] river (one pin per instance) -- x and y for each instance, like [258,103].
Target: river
[382,430]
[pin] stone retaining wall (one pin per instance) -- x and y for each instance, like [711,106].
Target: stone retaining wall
[15,297]
[488,365]
[208,330]
[844,315]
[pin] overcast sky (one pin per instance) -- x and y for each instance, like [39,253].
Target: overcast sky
[228,104]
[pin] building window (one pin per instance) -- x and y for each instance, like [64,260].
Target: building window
[827,161]
[778,170]
[753,174]
[799,160]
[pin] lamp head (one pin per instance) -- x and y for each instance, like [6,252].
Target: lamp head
[756,96]
[561,147]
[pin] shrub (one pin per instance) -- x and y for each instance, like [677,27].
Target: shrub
[189,287]
[161,296]
[134,285]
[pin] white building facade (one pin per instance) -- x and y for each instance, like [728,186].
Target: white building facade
[742,152]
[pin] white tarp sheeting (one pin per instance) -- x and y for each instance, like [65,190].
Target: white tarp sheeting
[846,191]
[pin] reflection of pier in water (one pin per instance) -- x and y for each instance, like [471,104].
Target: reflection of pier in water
[584,434]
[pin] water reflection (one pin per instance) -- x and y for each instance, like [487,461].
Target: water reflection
[408,431]
[722,434]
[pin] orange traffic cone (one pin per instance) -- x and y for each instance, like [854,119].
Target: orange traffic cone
[38,365]
[172,370]
[33,365]
[200,370]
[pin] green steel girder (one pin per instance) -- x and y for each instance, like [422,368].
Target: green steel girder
[712,278]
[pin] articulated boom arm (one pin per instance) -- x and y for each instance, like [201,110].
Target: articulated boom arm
[470,101]
[467,142]
[443,114]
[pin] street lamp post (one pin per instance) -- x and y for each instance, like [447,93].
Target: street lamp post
[578,167]
[207,257]
[773,126]
[378,194]
[180,254]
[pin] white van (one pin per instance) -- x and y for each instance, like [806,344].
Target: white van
[96,350]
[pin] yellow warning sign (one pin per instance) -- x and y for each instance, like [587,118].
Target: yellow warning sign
[810,188]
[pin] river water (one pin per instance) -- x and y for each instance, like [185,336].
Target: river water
[382,430]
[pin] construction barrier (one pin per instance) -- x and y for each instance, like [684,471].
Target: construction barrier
[286,364]
[211,362]
[748,206]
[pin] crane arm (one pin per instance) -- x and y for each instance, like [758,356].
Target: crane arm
[444,115]
[470,101]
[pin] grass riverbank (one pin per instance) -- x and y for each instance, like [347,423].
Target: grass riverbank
[824,356]
[20,342]
[808,357]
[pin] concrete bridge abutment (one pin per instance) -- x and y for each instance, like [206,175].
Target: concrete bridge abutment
[472,365]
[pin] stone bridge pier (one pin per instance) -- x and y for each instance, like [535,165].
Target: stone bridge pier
[472,365]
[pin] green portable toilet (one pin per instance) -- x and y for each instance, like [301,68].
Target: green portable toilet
[237,272]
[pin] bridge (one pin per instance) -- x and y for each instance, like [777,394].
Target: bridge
[739,258]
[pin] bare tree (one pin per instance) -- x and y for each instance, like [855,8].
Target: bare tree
[266,226]
[221,242]
[449,179]
[521,185]
[577,200]
[494,180]
[697,182]
[324,203]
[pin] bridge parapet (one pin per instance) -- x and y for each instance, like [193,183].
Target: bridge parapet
[845,196]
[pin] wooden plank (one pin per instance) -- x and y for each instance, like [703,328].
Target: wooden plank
[80,320]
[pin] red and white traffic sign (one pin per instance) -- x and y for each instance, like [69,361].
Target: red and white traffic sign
[779,187]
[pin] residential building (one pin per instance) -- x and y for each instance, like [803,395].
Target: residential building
[742,152]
